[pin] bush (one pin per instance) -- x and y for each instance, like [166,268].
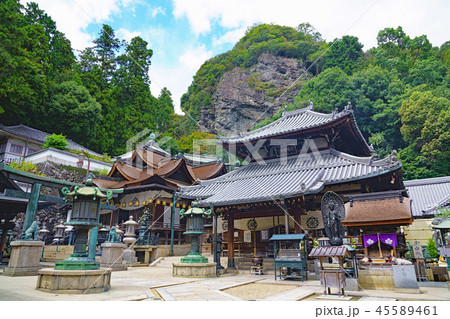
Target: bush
[25,166]
[431,246]
[55,141]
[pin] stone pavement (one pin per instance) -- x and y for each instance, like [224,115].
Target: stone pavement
[157,284]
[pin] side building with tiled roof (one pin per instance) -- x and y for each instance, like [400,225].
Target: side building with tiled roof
[151,178]
[429,197]
[20,140]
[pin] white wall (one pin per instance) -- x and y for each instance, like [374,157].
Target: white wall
[65,158]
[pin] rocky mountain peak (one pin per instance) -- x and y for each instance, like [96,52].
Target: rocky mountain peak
[245,96]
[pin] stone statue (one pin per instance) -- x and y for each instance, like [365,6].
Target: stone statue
[32,231]
[113,237]
[333,212]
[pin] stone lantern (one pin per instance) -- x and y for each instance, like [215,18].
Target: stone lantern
[59,232]
[85,215]
[130,236]
[194,228]
[43,232]
[129,255]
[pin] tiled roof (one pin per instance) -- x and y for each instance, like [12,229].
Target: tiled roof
[39,136]
[294,121]
[208,171]
[149,156]
[428,195]
[328,251]
[303,174]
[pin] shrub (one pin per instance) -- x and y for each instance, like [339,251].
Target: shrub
[431,246]
[55,141]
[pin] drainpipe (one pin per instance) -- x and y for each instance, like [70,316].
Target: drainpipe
[172,223]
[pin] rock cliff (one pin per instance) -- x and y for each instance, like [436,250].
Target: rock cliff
[244,97]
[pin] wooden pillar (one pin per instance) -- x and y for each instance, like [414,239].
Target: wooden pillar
[286,223]
[166,237]
[111,218]
[286,216]
[3,240]
[297,212]
[230,240]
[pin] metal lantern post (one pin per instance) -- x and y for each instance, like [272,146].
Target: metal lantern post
[85,215]
[194,228]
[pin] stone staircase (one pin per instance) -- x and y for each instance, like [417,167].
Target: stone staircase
[50,254]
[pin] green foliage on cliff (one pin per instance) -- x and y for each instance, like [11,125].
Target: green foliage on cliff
[300,43]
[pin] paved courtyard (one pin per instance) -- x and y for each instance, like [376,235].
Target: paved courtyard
[158,284]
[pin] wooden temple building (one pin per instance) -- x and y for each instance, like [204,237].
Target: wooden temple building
[292,162]
[150,179]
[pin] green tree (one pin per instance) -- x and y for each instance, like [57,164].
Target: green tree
[81,113]
[106,47]
[426,127]
[164,111]
[57,141]
[344,53]
[329,90]
[59,55]
[23,62]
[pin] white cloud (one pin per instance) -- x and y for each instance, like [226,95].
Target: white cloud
[193,58]
[73,17]
[124,34]
[158,10]
[177,76]
[232,36]
[333,18]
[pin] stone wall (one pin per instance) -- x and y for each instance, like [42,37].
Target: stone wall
[164,251]
[376,278]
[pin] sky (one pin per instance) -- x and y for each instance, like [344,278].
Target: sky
[183,34]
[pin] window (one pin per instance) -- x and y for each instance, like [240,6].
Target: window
[16,149]
[3,148]
[31,151]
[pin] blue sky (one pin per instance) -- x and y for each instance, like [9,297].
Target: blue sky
[185,33]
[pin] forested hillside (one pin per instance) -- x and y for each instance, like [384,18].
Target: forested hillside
[399,90]
[100,97]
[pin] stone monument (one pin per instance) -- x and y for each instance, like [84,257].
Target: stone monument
[25,253]
[112,252]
